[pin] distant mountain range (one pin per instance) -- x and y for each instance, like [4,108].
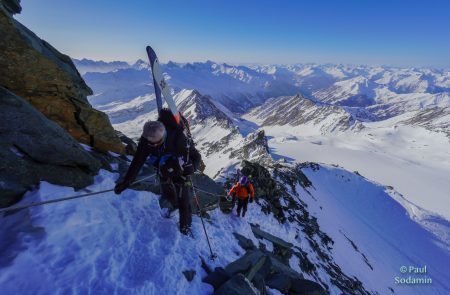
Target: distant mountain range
[87,65]
[354,94]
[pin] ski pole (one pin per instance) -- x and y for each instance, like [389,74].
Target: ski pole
[66,198]
[213,256]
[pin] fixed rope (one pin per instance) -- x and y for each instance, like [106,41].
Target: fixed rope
[203,191]
[24,206]
[212,205]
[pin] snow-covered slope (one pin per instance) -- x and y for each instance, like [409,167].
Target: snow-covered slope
[357,91]
[373,221]
[104,245]
[412,159]
[347,233]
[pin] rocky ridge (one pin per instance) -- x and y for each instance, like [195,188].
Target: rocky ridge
[35,149]
[35,70]
[45,116]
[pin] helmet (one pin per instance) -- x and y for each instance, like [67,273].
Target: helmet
[243,180]
[154,132]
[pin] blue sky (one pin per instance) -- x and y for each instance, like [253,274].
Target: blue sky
[391,32]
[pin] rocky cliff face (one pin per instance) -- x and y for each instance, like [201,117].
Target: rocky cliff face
[34,70]
[34,149]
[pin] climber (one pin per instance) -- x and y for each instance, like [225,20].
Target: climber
[233,195]
[244,192]
[174,155]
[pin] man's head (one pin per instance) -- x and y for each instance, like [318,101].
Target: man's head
[154,132]
[243,180]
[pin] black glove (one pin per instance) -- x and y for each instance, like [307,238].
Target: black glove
[188,169]
[251,200]
[120,187]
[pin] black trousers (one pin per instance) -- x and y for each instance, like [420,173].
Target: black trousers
[179,195]
[242,205]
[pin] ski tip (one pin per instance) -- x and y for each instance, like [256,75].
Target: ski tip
[150,50]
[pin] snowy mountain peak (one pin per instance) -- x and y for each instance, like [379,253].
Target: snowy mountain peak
[198,108]
[255,148]
[300,111]
[172,64]
[140,64]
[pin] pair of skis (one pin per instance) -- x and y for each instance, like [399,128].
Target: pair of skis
[161,86]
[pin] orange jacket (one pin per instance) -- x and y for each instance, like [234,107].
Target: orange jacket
[242,192]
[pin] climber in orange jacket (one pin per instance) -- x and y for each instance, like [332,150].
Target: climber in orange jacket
[244,192]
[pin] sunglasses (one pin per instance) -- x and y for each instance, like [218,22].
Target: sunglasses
[155,144]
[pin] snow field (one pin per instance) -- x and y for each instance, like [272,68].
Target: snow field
[382,229]
[413,160]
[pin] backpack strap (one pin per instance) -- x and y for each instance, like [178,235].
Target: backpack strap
[187,132]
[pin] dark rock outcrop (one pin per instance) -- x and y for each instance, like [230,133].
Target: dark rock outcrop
[189,275]
[33,149]
[301,286]
[244,242]
[260,270]
[281,249]
[259,233]
[217,278]
[34,70]
[12,6]
[266,188]
[255,148]
[238,284]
